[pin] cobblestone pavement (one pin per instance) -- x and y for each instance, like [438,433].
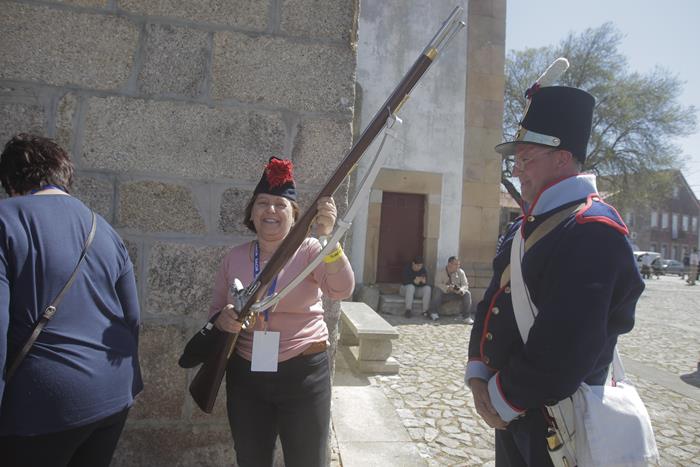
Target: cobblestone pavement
[437,409]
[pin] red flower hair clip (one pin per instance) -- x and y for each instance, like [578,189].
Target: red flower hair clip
[279,172]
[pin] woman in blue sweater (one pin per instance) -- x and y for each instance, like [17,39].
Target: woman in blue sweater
[68,399]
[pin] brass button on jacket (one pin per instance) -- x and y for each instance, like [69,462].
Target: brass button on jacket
[495,310]
[487,360]
[531,218]
[489,336]
[507,289]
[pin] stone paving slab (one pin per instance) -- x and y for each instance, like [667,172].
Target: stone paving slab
[437,409]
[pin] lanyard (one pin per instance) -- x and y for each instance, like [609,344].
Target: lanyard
[256,273]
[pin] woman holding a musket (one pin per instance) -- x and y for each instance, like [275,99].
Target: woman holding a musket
[278,380]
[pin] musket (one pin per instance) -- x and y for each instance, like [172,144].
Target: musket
[205,385]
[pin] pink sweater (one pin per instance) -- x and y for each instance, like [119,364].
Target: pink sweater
[299,316]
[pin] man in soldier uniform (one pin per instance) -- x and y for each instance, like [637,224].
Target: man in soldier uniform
[579,273]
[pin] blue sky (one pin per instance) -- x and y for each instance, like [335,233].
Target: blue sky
[655,33]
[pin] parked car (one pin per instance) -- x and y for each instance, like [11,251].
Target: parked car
[639,254]
[672,267]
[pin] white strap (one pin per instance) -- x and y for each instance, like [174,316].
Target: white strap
[524,310]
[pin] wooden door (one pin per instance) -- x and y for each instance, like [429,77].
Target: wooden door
[400,234]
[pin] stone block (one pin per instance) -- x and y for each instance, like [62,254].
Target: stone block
[334,20]
[179,139]
[393,304]
[97,192]
[245,14]
[484,81]
[450,308]
[180,279]
[384,367]
[62,47]
[67,111]
[485,113]
[163,395]
[485,30]
[319,147]
[150,206]
[133,248]
[480,194]
[89,3]
[174,60]
[175,445]
[470,224]
[493,8]
[374,349]
[232,210]
[368,294]
[20,112]
[281,73]
[347,337]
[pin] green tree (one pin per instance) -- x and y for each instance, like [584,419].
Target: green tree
[636,117]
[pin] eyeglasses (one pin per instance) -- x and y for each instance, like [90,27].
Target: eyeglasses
[522,162]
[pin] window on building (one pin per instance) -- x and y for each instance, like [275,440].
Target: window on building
[664,250]
[674,252]
[653,246]
[685,252]
[694,225]
[674,225]
[654,219]
[685,222]
[676,191]
[664,220]
[629,218]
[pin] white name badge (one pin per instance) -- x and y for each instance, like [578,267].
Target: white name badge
[266,349]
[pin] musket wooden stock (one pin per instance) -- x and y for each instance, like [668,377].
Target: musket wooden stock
[206,383]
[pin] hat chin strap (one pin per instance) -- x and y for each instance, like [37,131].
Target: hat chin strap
[527,136]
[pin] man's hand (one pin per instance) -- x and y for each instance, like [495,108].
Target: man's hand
[482,402]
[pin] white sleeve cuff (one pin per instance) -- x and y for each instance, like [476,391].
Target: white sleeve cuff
[506,411]
[478,370]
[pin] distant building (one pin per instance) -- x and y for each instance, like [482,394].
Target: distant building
[669,225]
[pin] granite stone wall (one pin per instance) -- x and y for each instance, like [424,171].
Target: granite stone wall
[169,109]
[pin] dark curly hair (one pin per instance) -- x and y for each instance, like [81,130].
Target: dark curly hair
[29,162]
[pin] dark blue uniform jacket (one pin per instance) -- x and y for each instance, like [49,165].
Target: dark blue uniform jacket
[583,279]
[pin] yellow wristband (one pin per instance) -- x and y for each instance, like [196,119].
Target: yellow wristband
[334,255]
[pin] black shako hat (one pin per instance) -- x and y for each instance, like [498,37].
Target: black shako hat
[558,117]
[277,179]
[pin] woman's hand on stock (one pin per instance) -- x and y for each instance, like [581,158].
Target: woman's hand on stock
[228,320]
[326,216]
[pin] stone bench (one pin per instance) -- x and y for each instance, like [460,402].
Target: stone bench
[368,337]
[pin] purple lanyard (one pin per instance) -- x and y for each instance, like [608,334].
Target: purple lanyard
[256,273]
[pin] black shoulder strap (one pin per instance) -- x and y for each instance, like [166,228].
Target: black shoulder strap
[51,309]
